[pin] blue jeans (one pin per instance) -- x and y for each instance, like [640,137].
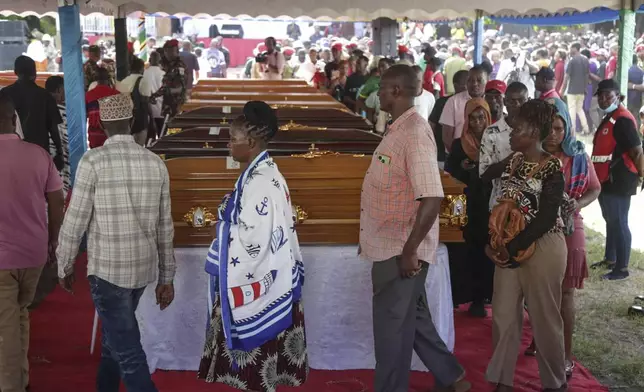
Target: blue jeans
[122,356]
[618,235]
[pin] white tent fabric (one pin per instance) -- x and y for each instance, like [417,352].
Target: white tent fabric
[360,10]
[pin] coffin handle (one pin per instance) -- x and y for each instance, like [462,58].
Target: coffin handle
[299,215]
[199,217]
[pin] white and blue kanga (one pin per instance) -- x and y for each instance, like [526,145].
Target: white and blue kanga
[255,263]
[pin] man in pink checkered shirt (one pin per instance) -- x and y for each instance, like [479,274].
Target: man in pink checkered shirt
[401,197]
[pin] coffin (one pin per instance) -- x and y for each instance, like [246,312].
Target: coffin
[323,162]
[293,102]
[289,117]
[250,82]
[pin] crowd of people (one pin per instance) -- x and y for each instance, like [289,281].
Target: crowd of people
[501,127]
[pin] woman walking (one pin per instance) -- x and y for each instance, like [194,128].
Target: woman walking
[255,339]
[528,247]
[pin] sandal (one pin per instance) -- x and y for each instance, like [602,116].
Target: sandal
[603,264]
[570,368]
[531,351]
[636,310]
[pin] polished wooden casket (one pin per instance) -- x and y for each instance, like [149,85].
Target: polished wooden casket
[322,153]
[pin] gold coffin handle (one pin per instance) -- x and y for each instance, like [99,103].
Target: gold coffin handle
[199,217]
[299,215]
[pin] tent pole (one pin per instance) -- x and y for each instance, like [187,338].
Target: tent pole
[626,43]
[120,43]
[70,36]
[478,37]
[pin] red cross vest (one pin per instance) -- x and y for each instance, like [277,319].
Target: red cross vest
[604,145]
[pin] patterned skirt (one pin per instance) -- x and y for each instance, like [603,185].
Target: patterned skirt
[577,267]
[282,361]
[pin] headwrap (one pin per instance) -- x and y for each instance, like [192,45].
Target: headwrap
[570,145]
[578,183]
[470,142]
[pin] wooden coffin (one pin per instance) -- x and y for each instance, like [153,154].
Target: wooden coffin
[251,82]
[257,88]
[262,96]
[289,118]
[199,103]
[324,169]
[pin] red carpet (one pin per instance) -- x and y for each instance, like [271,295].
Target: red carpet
[60,360]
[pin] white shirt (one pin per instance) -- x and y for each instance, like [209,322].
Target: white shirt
[153,77]
[424,104]
[495,147]
[306,71]
[505,68]
[126,86]
[275,59]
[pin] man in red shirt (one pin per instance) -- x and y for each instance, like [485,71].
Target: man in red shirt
[545,82]
[560,68]
[433,80]
[611,67]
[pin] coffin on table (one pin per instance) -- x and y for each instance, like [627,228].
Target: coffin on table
[324,168]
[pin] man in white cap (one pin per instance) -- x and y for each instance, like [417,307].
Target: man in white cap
[121,199]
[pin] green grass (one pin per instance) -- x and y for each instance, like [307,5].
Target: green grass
[608,341]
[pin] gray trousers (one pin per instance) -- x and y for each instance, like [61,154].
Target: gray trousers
[402,324]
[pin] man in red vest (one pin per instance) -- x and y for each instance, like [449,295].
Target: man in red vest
[619,163]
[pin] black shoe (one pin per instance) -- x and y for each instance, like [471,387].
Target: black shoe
[477,309]
[603,264]
[616,275]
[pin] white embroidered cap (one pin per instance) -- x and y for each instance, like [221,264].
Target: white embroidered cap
[116,107]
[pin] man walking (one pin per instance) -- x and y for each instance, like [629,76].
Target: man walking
[619,163]
[401,197]
[31,211]
[576,80]
[36,108]
[122,199]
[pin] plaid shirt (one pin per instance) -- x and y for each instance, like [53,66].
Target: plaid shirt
[121,197]
[403,170]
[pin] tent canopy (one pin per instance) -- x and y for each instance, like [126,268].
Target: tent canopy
[347,10]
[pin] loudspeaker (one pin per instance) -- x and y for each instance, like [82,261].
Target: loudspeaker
[13,42]
[13,31]
[385,31]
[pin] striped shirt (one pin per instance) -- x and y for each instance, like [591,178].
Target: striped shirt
[403,170]
[121,197]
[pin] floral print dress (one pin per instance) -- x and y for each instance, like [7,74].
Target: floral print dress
[282,361]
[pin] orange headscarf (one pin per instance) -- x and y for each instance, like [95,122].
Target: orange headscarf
[470,142]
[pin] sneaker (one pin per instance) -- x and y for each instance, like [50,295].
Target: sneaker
[616,275]
[477,309]
[603,264]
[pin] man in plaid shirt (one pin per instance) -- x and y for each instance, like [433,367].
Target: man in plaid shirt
[121,198]
[400,202]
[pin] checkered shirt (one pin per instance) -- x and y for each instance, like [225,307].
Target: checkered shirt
[403,170]
[121,197]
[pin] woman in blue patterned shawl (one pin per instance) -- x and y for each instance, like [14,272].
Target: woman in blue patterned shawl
[255,338]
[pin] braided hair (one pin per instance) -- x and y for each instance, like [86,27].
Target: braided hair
[539,114]
[258,120]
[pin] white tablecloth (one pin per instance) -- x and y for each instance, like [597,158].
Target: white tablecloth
[337,306]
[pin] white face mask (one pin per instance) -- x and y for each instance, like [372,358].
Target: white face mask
[612,107]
